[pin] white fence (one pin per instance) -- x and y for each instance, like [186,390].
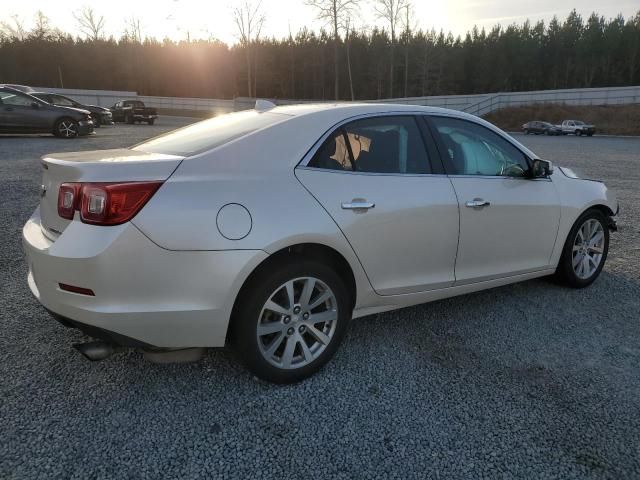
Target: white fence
[475,104]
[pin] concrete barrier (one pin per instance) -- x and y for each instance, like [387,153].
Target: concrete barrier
[480,104]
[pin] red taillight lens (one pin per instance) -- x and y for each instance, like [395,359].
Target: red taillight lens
[107,203]
[68,197]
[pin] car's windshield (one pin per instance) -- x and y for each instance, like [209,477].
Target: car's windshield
[210,133]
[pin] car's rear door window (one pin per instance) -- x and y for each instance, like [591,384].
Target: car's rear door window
[385,144]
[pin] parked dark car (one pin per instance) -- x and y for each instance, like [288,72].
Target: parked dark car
[23,113]
[131,111]
[100,115]
[541,128]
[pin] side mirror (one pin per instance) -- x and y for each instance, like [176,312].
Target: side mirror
[35,105]
[541,168]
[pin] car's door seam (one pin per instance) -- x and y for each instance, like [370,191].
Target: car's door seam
[340,229]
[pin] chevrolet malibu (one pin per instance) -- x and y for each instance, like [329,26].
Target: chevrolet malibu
[272,228]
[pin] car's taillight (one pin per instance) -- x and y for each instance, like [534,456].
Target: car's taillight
[68,199]
[105,203]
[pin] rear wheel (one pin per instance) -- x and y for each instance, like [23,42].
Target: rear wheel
[526,131]
[585,250]
[578,133]
[289,321]
[66,128]
[150,121]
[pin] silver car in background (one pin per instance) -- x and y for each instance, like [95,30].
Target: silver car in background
[272,228]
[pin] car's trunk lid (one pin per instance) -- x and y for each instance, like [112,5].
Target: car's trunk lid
[118,165]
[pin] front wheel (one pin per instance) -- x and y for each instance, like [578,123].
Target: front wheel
[66,128]
[290,320]
[578,133]
[585,250]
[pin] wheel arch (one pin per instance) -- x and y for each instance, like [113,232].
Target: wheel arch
[310,250]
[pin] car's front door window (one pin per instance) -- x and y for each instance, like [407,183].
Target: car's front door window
[471,149]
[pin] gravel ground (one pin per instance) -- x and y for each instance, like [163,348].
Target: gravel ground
[526,381]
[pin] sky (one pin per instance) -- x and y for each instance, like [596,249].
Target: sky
[178,19]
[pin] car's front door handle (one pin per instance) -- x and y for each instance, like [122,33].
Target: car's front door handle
[357,204]
[477,203]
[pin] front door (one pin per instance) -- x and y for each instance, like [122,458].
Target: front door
[374,177]
[508,221]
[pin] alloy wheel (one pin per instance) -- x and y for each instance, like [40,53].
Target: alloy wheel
[67,128]
[297,323]
[588,248]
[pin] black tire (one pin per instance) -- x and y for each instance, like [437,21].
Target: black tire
[589,134]
[96,121]
[151,121]
[65,128]
[565,273]
[548,132]
[526,131]
[129,119]
[578,133]
[249,306]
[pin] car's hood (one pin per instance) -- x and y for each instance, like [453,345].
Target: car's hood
[571,173]
[98,108]
[74,109]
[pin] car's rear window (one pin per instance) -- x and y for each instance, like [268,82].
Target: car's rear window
[208,134]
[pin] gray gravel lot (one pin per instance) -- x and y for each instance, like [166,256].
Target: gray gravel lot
[529,381]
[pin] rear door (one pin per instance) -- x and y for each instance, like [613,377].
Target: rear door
[508,221]
[390,198]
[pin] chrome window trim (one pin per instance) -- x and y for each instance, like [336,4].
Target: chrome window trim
[376,174]
[436,175]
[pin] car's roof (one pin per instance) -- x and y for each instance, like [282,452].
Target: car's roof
[332,113]
[353,109]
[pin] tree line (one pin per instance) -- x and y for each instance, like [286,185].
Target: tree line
[343,62]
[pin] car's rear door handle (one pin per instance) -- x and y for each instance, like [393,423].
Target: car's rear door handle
[357,204]
[477,203]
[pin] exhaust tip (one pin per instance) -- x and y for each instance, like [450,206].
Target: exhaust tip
[95,351]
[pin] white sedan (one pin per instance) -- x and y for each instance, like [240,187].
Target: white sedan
[272,228]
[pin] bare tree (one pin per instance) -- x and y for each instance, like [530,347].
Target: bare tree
[90,23]
[408,28]
[338,13]
[249,19]
[13,29]
[133,29]
[391,11]
[347,40]
[42,29]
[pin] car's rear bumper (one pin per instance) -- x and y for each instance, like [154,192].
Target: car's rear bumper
[142,292]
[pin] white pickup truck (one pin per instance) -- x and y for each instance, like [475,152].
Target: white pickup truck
[577,127]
